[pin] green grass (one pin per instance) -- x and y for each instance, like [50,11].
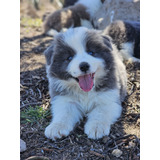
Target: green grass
[34,115]
[29,22]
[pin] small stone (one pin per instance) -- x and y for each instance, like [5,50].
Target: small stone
[22,145]
[132,144]
[132,79]
[117,152]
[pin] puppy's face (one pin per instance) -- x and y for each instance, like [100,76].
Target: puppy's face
[81,55]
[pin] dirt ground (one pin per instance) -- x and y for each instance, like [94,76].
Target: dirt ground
[124,133]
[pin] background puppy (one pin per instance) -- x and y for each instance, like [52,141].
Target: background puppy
[126,37]
[86,78]
[80,14]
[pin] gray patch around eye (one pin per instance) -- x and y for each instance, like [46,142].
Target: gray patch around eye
[48,53]
[59,60]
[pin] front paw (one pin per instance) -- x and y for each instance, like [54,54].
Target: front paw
[57,130]
[96,129]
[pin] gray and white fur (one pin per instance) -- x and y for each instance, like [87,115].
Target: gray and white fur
[80,14]
[126,37]
[74,55]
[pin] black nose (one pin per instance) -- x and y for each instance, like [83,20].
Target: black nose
[84,67]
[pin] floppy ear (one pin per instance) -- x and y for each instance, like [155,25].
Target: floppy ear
[107,41]
[49,53]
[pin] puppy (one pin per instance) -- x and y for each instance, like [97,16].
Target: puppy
[126,37]
[86,78]
[80,14]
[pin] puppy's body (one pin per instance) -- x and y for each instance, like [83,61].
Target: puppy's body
[80,14]
[126,36]
[86,78]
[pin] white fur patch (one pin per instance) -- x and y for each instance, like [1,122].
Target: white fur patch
[106,112]
[52,32]
[86,23]
[101,111]
[127,52]
[92,5]
[65,116]
[75,38]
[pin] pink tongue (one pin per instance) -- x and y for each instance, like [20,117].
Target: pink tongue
[86,82]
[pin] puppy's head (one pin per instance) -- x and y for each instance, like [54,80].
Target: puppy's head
[80,55]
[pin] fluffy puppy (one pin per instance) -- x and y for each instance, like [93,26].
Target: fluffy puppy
[80,14]
[86,78]
[126,36]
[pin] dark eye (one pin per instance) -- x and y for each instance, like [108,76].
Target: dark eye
[90,53]
[69,58]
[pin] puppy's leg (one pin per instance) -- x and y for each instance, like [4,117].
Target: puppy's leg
[65,115]
[101,118]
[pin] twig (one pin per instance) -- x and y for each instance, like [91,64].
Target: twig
[55,147]
[22,86]
[37,157]
[47,149]
[131,91]
[30,104]
[40,95]
[97,154]
[70,140]
[123,137]
[116,146]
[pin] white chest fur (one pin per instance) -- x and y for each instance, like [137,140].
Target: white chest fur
[87,101]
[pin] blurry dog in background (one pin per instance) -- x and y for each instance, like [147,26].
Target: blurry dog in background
[126,36]
[80,14]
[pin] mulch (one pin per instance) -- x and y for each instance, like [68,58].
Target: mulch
[124,133]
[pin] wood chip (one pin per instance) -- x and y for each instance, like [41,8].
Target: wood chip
[38,158]
[47,149]
[97,154]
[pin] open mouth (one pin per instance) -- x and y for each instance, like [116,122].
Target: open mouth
[86,81]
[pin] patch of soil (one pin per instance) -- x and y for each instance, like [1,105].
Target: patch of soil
[124,133]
